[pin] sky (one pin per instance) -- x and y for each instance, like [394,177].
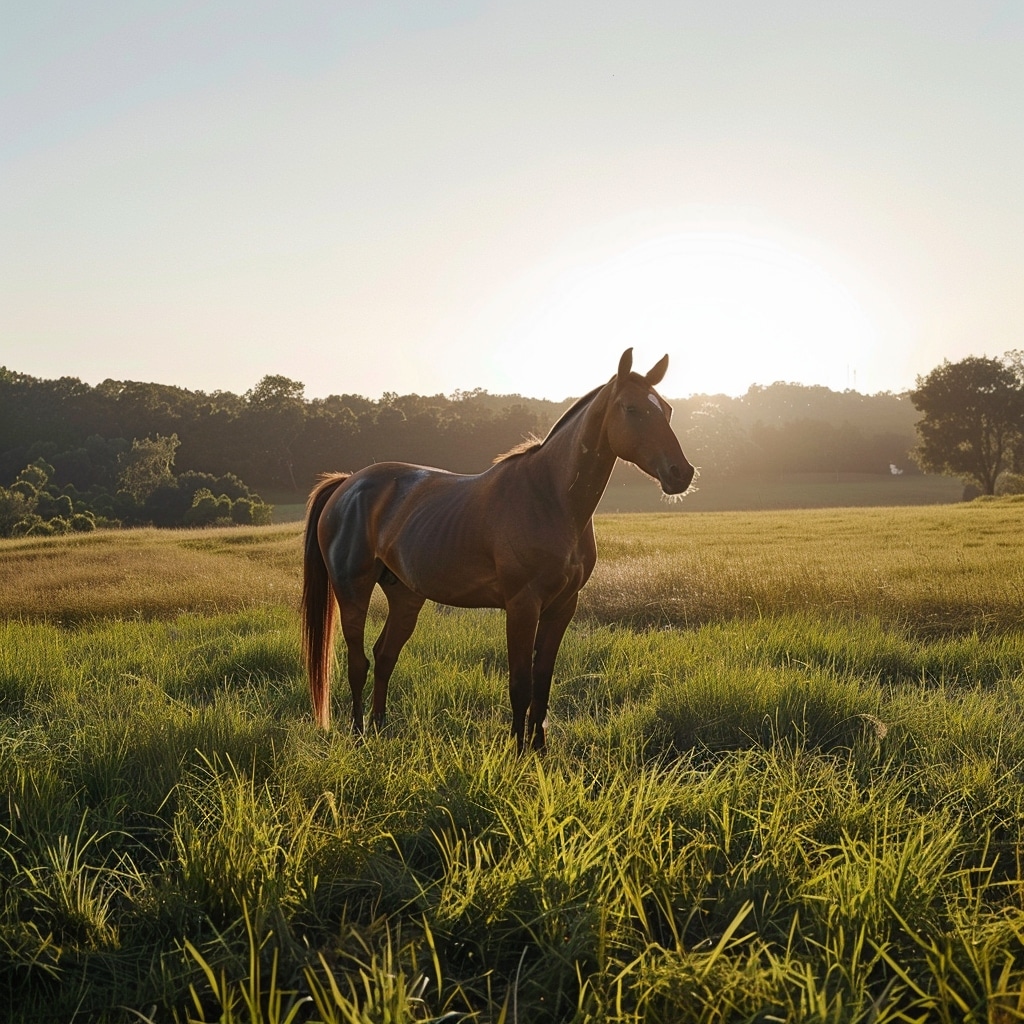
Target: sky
[426,197]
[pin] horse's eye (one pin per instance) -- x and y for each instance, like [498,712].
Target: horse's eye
[632,410]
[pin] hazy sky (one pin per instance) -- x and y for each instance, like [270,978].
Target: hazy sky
[420,196]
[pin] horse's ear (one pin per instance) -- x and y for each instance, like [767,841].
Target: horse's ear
[625,365]
[655,374]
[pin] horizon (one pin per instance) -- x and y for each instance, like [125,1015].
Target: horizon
[458,393]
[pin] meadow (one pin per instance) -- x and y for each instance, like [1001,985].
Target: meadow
[785,783]
[630,491]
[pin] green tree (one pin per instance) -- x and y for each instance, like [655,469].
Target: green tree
[14,507]
[275,414]
[973,419]
[32,480]
[147,465]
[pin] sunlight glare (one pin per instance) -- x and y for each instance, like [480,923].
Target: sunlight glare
[731,309]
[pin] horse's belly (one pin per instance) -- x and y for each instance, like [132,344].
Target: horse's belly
[439,561]
[446,544]
[451,579]
[486,577]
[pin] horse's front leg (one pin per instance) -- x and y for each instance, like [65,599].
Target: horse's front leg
[553,624]
[521,618]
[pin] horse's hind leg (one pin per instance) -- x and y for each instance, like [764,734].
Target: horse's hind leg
[403,609]
[354,603]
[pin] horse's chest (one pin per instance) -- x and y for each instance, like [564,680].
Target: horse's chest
[581,564]
[569,566]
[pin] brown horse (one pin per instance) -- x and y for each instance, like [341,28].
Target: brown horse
[519,536]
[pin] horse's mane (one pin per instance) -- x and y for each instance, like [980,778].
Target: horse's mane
[531,444]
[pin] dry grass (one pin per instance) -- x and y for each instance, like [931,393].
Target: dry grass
[148,573]
[950,567]
[939,568]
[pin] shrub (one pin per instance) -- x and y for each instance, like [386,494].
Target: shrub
[13,508]
[251,512]
[34,526]
[191,499]
[262,513]
[83,522]
[241,511]
[1010,483]
[49,506]
[203,510]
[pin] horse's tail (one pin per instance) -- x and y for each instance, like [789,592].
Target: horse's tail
[318,603]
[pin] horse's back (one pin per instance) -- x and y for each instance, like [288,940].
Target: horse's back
[376,492]
[467,540]
[407,518]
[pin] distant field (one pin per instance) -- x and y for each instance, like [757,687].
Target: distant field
[630,491]
[952,566]
[785,783]
[289,512]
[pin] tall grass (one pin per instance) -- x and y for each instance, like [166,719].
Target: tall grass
[148,573]
[938,568]
[944,568]
[808,810]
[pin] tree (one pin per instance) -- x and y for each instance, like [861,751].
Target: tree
[147,465]
[276,414]
[973,422]
[14,507]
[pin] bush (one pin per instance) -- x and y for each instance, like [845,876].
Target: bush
[251,512]
[83,522]
[191,499]
[34,526]
[49,506]
[167,505]
[126,508]
[14,507]
[1010,483]
[262,514]
[241,511]
[203,510]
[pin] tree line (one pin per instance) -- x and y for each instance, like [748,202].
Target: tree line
[74,456]
[127,452]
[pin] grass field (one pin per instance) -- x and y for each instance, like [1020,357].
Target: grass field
[631,491]
[786,783]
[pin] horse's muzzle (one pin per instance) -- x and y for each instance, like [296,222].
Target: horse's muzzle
[676,479]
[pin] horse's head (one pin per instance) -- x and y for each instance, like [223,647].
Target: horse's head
[637,425]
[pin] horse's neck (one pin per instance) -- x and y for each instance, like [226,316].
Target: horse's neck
[581,460]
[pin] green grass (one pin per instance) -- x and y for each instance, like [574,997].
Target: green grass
[786,782]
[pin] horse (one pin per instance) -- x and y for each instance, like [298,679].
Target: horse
[518,536]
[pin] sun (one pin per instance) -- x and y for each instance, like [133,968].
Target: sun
[731,309]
